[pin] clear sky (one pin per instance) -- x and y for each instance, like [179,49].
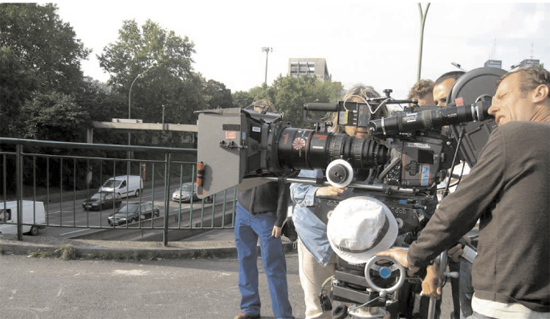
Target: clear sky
[371,43]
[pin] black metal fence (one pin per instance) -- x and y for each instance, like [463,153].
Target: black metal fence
[59,178]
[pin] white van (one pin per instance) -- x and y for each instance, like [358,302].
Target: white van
[123,186]
[33,214]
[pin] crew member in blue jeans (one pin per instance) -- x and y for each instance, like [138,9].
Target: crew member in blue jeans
[261,212]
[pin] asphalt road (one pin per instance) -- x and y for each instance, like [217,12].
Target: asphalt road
[193,289]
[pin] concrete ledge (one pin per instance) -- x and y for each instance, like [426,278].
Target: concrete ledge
[121,250]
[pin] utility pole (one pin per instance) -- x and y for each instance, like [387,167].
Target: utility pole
[130,102]
[266,50]
[422,23]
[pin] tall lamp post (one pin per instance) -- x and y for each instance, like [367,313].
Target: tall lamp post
[266,50]
[130,96]
[422,23]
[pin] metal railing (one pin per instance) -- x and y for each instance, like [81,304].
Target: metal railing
[62,175]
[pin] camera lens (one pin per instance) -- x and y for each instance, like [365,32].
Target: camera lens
[307,149]
[427,119]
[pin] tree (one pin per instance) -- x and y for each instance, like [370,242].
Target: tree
[39,75]
[159,65]
[289,95]
[55,116]
[43,44]
[100,105]
[217,96]
[16,86]
[40,56]
[242,99]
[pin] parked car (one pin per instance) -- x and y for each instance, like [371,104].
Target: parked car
[102,200]
[186,191]
[133,212]
[123,186]
[32,215]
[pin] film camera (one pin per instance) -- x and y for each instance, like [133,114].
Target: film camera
[407,154]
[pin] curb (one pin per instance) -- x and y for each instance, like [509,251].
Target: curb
[120,250]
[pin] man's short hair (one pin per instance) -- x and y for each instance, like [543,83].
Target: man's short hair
[449,75]
[420,89]
[530,78]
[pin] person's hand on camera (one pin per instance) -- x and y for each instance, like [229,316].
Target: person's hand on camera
[400,255]
[431,285]
[329,191]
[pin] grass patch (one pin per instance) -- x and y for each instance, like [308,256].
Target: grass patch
[43,254]
[151,255]
[65,252]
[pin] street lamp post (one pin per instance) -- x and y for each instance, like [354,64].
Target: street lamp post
[130,96]
[163,116]
[422,23]
[266,50]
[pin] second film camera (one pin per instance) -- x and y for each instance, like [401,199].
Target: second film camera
[407,154]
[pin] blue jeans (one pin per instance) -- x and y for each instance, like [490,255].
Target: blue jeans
[248,228]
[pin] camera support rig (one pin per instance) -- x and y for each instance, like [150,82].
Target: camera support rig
[247,148]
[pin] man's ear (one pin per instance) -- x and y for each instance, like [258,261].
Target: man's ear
[540,93]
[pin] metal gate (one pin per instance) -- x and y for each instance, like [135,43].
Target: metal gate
[61,176]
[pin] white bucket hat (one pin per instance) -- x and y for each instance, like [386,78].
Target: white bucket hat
[359,227]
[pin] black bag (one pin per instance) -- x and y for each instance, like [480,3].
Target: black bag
[288,229]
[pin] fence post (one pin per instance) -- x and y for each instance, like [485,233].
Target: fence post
[19,189]
[167,168]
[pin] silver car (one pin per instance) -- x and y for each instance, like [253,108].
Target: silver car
[186,191]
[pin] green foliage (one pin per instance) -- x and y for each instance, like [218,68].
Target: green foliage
[43,44]
[242,99]
[16,86]
[289,95]
[55,116]
[101,106]
[152,67]
[39,56]
[217,95]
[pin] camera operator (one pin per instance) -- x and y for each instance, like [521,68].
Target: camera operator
[317,261]
[508,191]
[443,85]
[461,287]
[423,91]
[260,215]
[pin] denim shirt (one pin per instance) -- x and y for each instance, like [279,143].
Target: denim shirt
[310,218]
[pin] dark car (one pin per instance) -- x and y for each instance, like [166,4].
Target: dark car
[102,200]
[133,212]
